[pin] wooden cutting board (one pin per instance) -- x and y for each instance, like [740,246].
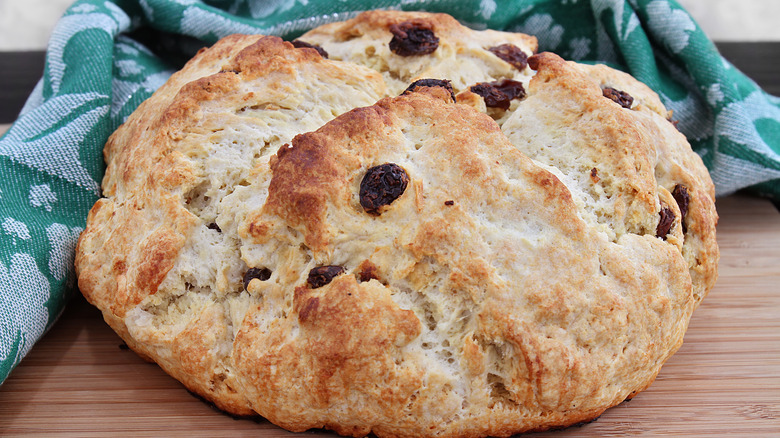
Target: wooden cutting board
[725,380]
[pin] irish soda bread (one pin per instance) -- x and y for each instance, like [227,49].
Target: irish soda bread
[400,226]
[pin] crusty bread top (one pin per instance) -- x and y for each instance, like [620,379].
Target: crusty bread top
[285,239]
[462,56]
[622,164]
[173,168]
[491,306]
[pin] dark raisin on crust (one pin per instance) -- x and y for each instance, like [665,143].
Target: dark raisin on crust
[620,97]
[413,38]
[498,94]
[512,54]
[382,185]
[493,97]
[513,89]
[322,275]
[444,83]
[533,62]
[261,274]
[594,175]
[298,44]
[680,194]
[367,271]
[666,222]
[214,226]
[450,202]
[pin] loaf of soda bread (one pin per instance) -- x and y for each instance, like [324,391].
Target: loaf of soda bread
[401,226]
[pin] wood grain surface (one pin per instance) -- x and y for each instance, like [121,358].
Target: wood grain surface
[81,381]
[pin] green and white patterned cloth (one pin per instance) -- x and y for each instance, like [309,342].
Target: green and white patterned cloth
[106,56]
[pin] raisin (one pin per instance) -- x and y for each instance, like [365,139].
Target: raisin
[450,202]
[298,44]
[513,89]
[680,194]
[493,97]
[534,62]
[511,54]
[498,94]
[666,222]
[367,271]
[620,97]
[381,186]
[594,175]
[413,38]
[322,275]
[444,83]
[261,274]
[215,227]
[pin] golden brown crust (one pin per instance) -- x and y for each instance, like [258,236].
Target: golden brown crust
[518,353]
[158,177]
[626,164]
[518,282]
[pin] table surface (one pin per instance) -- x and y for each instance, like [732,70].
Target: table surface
[80,380]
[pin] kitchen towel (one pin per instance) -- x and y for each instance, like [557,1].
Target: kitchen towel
[107,56]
